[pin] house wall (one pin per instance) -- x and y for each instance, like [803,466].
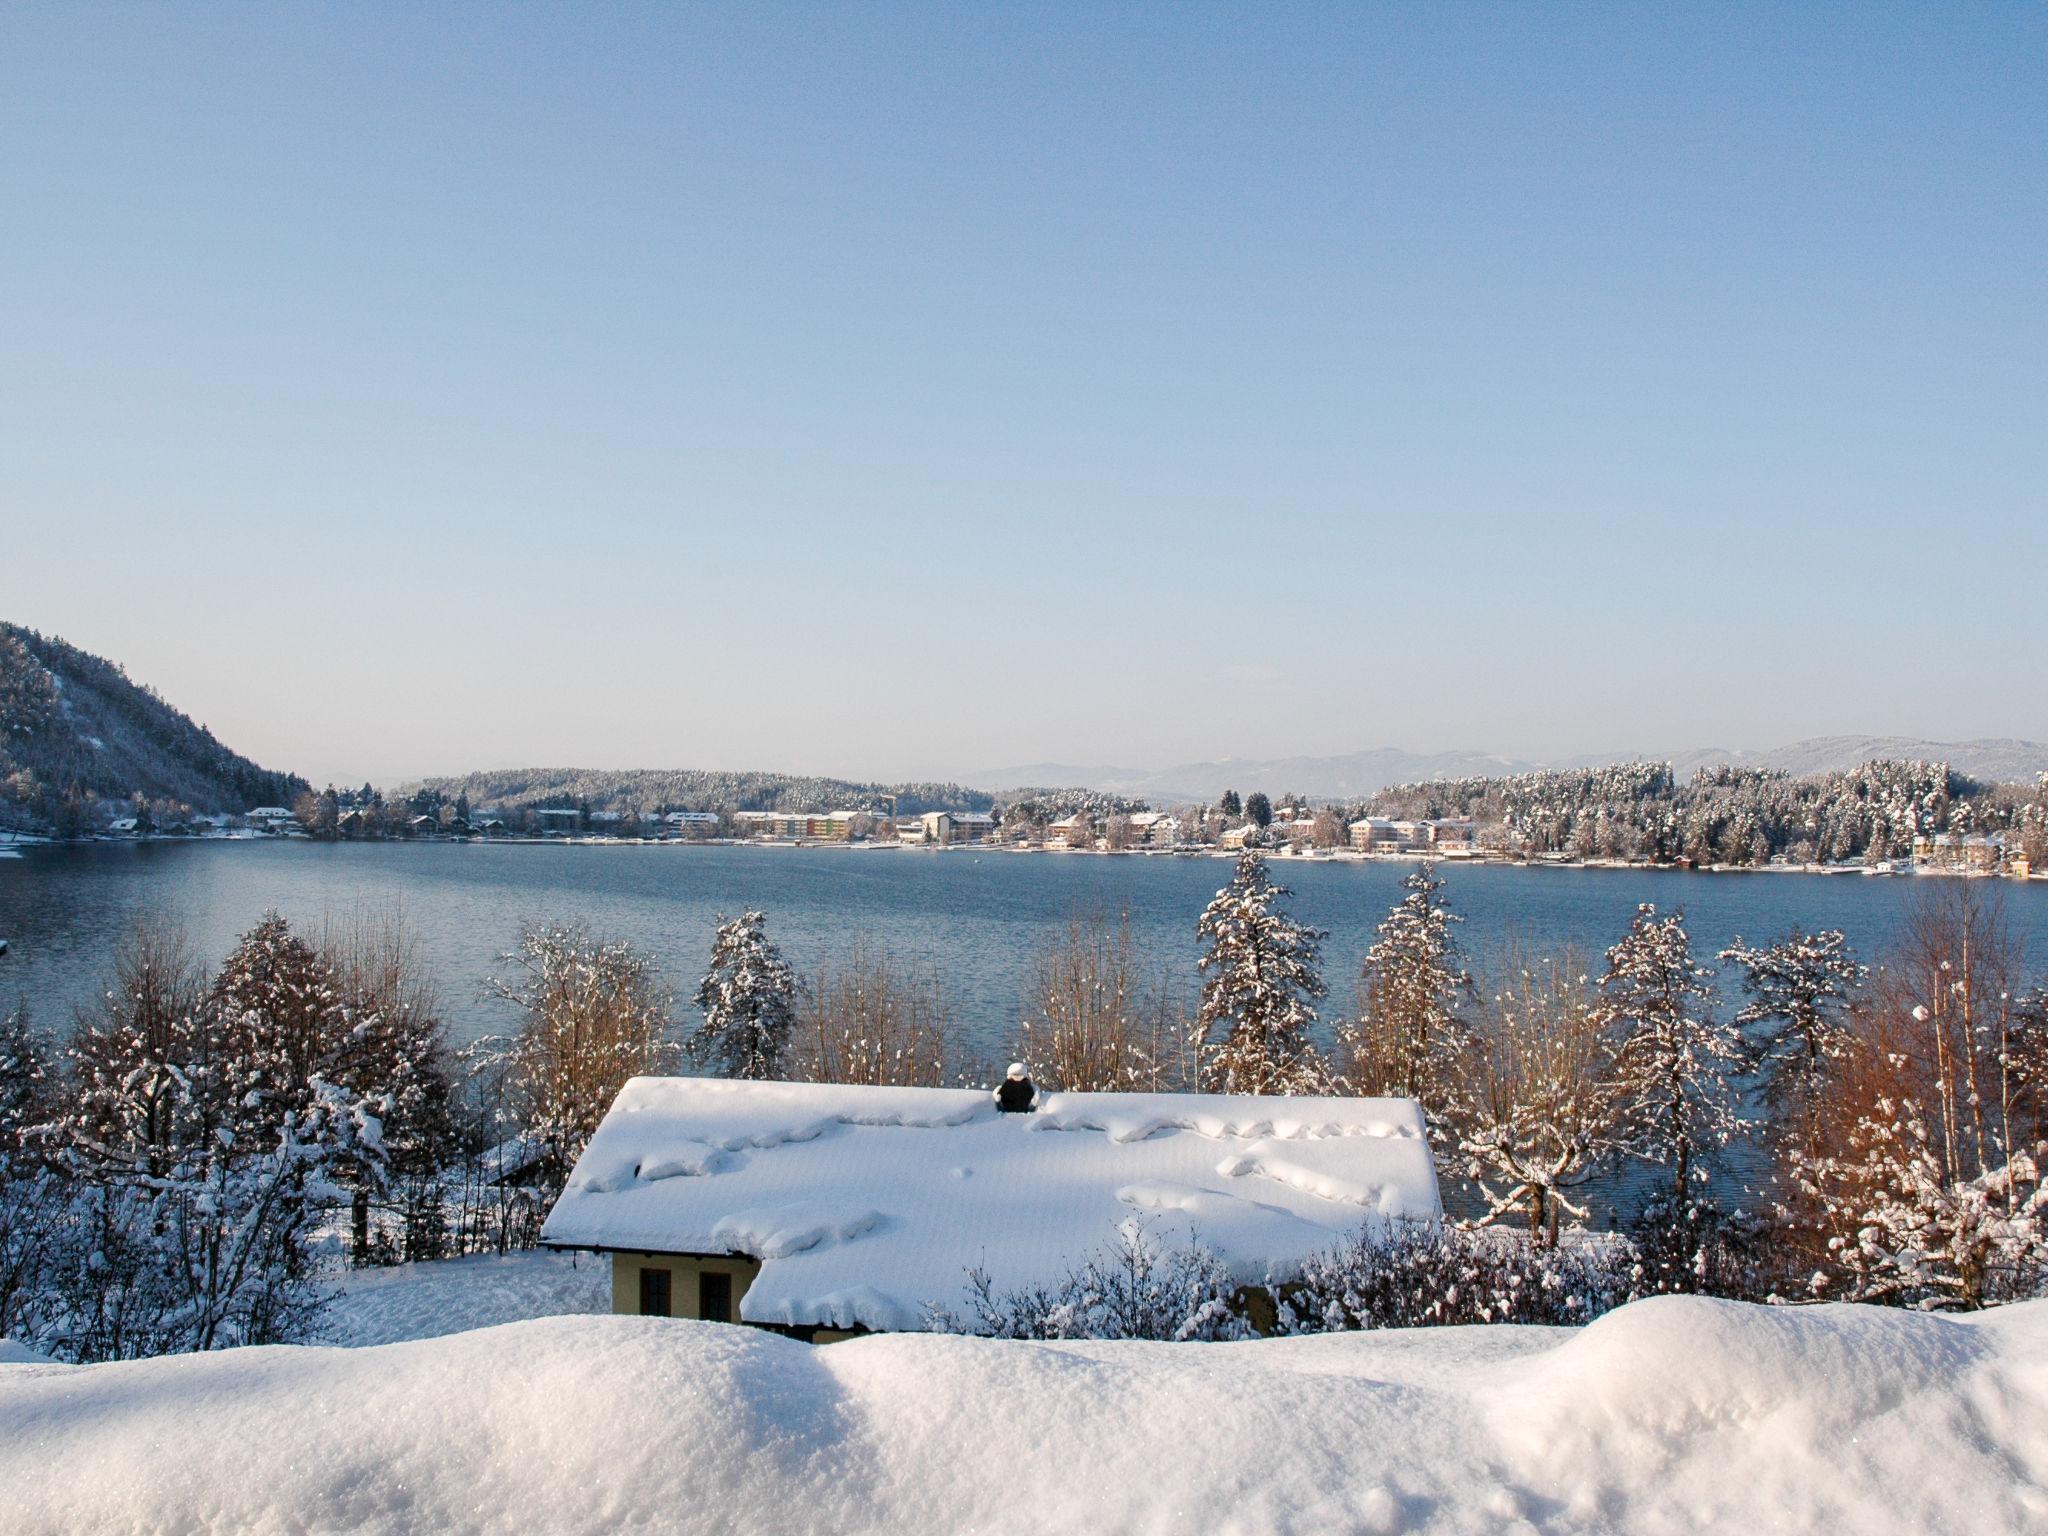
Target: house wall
[683,1272]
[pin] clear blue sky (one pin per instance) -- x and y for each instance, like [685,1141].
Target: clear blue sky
[893,390]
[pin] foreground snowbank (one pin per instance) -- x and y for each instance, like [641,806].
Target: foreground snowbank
[1675,1415]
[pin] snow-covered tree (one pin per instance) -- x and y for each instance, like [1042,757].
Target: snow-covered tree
[749,1001]
[1929,1182]
[1262,975]
[1919,1229]
[394,1056]
[866,1021]
[593,1013]
[281,1022]
[1675,1060]
[1542,1109]
[1798,993]
[1098,1020]
[1407,1038]
[28,1194]
[145,1067]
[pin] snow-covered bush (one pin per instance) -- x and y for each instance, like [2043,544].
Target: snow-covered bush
[1406,1276]
[1136,1287]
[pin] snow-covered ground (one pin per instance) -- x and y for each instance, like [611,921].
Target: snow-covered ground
[1671,1415]
[423,1301]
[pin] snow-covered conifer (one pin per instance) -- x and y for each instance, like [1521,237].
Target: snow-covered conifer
[749,1000]
[281,1022]
[1407,1038]
[1262,976]
[1798,988]
[1675,1060]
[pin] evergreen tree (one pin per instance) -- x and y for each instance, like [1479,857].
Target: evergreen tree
[1408,1039]
[27,1089]
[1675,1059]
[749,1001]
[1798,990]
[1229,805]
[281,1023]
[1263,974]
[30,1199]
[145,1069]
[1258,809]
[395,1057]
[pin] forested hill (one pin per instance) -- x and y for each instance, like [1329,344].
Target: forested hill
[686,789]
[76,730]
[1728,815]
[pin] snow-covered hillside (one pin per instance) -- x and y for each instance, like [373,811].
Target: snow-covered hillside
[1672,1415]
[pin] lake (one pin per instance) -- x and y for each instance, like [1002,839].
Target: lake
[975,916]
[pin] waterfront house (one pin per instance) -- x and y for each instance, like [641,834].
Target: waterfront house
[1075,831]
[1451,835]
[1958,853]
[824,1209]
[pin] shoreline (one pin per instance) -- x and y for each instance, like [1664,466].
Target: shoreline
[14,845]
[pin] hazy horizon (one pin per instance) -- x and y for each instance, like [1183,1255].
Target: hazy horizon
[910,392]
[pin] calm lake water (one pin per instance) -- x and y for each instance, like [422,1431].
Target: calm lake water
[977,917]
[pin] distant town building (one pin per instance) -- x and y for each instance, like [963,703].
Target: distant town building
[1158,829]
[814,826]
[1972,853]
[1075,831]
[1452,835]
[683,820]
[946,827]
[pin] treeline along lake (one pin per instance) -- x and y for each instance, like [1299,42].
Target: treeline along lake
[975,918]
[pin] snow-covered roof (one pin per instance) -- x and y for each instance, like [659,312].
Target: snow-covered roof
[866,1204]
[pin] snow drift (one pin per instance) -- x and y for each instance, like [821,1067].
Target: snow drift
[1671,1415]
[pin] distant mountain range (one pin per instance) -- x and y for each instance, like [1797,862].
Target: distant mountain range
[1355,775]
[76,725]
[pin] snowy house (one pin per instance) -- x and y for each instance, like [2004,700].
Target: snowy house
[823,1210]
